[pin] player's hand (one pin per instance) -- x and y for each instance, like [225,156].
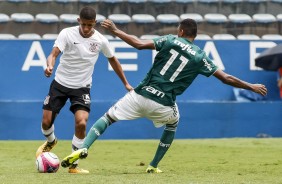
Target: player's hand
[129,87]
[48,71]
[108,24]
[260,89]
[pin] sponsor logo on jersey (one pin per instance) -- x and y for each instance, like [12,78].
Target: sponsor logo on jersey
[154,91]
[186,47]
[86,98]
[207,65]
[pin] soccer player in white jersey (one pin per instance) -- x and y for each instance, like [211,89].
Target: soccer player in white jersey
[176,65]
[80,47]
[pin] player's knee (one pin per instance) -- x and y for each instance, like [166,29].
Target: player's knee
[80,128]
[81,122]
[110,120]
[171,127]
[48,119]
[81,118]
[45,124]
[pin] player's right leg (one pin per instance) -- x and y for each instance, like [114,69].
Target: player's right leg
[122,110]
[47,128]
[52,105]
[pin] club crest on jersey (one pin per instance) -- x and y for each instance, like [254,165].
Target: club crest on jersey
[93,47]
[86,98]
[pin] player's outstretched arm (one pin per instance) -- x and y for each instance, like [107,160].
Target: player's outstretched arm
[234,81]
[130,39]
[118,69]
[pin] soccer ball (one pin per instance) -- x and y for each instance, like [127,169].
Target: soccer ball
[47,162]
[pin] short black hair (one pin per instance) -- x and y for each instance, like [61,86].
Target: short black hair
[87,13]
[189,26]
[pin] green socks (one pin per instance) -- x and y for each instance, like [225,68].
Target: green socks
[101,125]
[164,145]
[96,130]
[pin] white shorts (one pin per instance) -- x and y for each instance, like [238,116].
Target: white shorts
[133,106]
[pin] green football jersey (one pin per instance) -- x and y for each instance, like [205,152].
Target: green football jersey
[176,65]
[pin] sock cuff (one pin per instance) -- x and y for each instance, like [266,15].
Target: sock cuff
[171,127]
[76,142]
[106,120]
[49,131]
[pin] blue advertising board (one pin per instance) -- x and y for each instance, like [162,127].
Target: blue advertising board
[24,87]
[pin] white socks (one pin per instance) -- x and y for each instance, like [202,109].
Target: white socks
[49,134]
[76,144]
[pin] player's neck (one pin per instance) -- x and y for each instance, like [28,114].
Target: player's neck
[88,35]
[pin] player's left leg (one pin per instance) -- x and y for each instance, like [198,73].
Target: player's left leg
[95,131]
[168,115]
[80,107]
[165,143]
[81,115]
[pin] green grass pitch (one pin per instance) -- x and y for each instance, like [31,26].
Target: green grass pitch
[195,161]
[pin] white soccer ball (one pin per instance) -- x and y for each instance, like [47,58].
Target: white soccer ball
[47,162]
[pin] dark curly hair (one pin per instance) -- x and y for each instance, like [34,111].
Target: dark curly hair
[189,26]
[87,13]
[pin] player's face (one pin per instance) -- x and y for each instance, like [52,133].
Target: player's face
[86,27]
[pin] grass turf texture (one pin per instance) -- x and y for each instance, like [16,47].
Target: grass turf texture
[121,161]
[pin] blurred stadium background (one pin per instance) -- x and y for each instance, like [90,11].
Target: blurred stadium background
[143,17]
[232,32]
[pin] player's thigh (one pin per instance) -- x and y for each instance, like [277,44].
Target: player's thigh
[80,99]
[127,108]
[56,98]
[162,115]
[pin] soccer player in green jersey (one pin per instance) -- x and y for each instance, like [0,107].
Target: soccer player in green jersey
[175,67]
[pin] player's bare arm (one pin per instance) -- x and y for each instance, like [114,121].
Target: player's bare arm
[118,69]
[130,39]
[233,81]
[51,61]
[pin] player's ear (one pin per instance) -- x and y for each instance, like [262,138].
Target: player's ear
[180,32]
[78,20]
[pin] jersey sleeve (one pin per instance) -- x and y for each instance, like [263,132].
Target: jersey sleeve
[207,66]
[106,48]
[160,42]
[61,42]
